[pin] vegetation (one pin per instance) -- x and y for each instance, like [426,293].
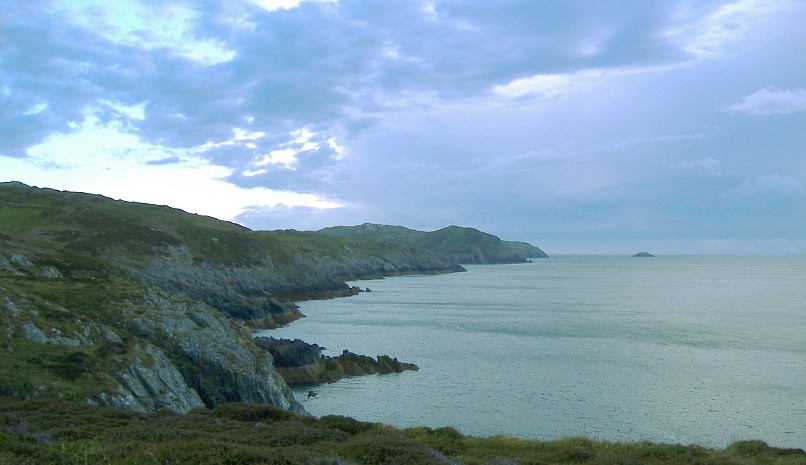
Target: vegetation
[453,243]
[45,431]
[75,321]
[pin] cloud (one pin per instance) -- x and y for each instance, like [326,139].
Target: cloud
[709,165]
[517,113]
[771,102]
[768,186]
[707,28]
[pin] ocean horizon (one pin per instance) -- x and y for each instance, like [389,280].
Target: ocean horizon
[705,349]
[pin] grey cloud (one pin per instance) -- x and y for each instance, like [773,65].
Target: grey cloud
[164,161]
[319,64]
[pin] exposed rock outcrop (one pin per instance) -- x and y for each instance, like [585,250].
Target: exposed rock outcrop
[150,383]
[220,362]
[243,292]
[299,362]
[248,292]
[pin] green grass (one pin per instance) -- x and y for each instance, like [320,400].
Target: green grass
[55,431]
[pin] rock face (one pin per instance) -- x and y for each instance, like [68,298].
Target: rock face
[217,360]
[148,387]
[297,362]
[243,292]
[247,292]
[147,351]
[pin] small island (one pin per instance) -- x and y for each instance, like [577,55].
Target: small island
[643,255]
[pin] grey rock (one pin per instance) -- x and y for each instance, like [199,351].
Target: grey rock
[216,359]
[151,386]
[66,341]
[50,273]
[11,306]
[248,292]
[30,331]
[20,260]
[5,264]
[110,336]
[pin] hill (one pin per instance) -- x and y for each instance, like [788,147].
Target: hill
[453,243]
[143,307]
[148,310]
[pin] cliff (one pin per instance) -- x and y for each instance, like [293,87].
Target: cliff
[144,307]
[112,342]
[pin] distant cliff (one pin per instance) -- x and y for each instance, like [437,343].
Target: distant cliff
[453,243]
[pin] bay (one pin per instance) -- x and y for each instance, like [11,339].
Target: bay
[702,350]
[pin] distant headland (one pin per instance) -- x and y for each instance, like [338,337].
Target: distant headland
[643,255]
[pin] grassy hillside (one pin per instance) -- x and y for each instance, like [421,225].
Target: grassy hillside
[66,224]
[108,302]
[52,431]
[144,308]
[453,243]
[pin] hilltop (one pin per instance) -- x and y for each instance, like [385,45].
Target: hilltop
[453,243]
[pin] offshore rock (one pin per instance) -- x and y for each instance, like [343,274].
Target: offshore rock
[302,363]
[296,361]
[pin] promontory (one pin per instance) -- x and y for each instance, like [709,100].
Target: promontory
[144,307]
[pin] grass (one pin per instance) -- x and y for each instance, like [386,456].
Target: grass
[56,431]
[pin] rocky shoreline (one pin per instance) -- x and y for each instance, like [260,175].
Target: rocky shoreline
[299,362]
[144,307]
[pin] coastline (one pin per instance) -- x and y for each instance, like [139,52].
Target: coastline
[372,323]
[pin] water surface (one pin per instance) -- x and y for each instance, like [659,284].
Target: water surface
[705,350]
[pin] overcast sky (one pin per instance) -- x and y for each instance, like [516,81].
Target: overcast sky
[581,126]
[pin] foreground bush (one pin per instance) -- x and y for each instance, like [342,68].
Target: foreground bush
[45,431]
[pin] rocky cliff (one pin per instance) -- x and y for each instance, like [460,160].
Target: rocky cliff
[128,346]
[145,307]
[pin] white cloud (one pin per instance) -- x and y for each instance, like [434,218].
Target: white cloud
[272,5]
[302,141]
[103,158]
[546,86]
[771,102]
[130,22]
[709,165]
[706,35]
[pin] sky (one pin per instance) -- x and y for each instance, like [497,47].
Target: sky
[581,126]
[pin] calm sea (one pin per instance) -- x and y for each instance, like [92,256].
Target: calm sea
[682,349]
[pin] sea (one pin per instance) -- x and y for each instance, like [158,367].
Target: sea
[705,350]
